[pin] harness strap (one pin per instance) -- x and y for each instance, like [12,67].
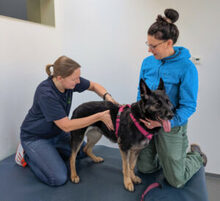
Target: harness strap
[118,118]
[139,127]
[150,187]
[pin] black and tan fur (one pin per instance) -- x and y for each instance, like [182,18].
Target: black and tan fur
[153,105]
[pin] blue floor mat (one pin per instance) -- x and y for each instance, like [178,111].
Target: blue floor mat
[98,182]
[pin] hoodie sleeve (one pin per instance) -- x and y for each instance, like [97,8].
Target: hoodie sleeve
[187,96]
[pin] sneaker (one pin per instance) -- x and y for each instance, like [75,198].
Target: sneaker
[19,157]
[196,148]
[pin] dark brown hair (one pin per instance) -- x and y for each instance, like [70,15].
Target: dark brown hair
[63,66]
[164,27]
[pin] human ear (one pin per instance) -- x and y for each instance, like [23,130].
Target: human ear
[170,43]
[59,78]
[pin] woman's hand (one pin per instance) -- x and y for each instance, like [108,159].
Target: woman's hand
[105,117]
[150,123]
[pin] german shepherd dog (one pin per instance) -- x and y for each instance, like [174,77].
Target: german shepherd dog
[154,105]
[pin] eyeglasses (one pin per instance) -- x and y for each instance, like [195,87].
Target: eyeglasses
[153,47]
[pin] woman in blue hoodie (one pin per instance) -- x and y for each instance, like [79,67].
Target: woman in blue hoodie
[180,76]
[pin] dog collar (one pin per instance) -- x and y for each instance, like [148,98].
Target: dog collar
[139,127]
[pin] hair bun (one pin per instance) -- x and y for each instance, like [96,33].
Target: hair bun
[161,20]
[171,14]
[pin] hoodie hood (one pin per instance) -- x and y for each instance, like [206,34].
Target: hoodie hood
[180,53]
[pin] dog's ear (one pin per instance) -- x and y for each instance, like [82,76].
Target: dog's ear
[161,85]
[144,89]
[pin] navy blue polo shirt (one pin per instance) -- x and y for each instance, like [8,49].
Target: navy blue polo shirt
[49,105]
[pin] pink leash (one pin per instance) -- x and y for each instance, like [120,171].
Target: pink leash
[139,127]
[150,187]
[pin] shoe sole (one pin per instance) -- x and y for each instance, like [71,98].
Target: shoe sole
[198,149]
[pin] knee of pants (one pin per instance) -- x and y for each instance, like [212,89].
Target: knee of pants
[175,181]
[57,180]
[173,171]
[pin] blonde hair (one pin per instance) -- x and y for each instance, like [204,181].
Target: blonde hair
[63,66]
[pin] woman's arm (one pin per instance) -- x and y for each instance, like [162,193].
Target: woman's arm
[188,91]
[101,91]
[68,125]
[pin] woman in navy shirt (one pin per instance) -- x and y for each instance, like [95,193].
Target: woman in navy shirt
[45,130]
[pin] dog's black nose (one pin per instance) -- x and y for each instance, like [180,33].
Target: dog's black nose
[170,116]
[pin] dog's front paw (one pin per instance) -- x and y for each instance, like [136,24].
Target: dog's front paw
[129,185]
[98,159]
[75,179]
[136,179]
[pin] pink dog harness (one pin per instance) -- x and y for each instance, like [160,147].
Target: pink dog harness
[139,127]
[143,132]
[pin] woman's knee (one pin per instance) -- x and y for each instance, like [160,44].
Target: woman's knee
[175,180]
[176,183]
[57,180]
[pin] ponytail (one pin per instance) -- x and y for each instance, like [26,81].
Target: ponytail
[48,71]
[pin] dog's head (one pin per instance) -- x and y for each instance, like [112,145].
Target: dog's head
[155,105]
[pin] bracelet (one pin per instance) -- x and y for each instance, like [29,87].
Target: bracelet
[105,95]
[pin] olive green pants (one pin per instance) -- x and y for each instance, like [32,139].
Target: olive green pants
[170,148]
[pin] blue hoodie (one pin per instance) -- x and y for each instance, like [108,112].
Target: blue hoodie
[180,78]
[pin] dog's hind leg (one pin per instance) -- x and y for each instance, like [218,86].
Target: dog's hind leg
[93,136]
[132,161]
[126,170]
